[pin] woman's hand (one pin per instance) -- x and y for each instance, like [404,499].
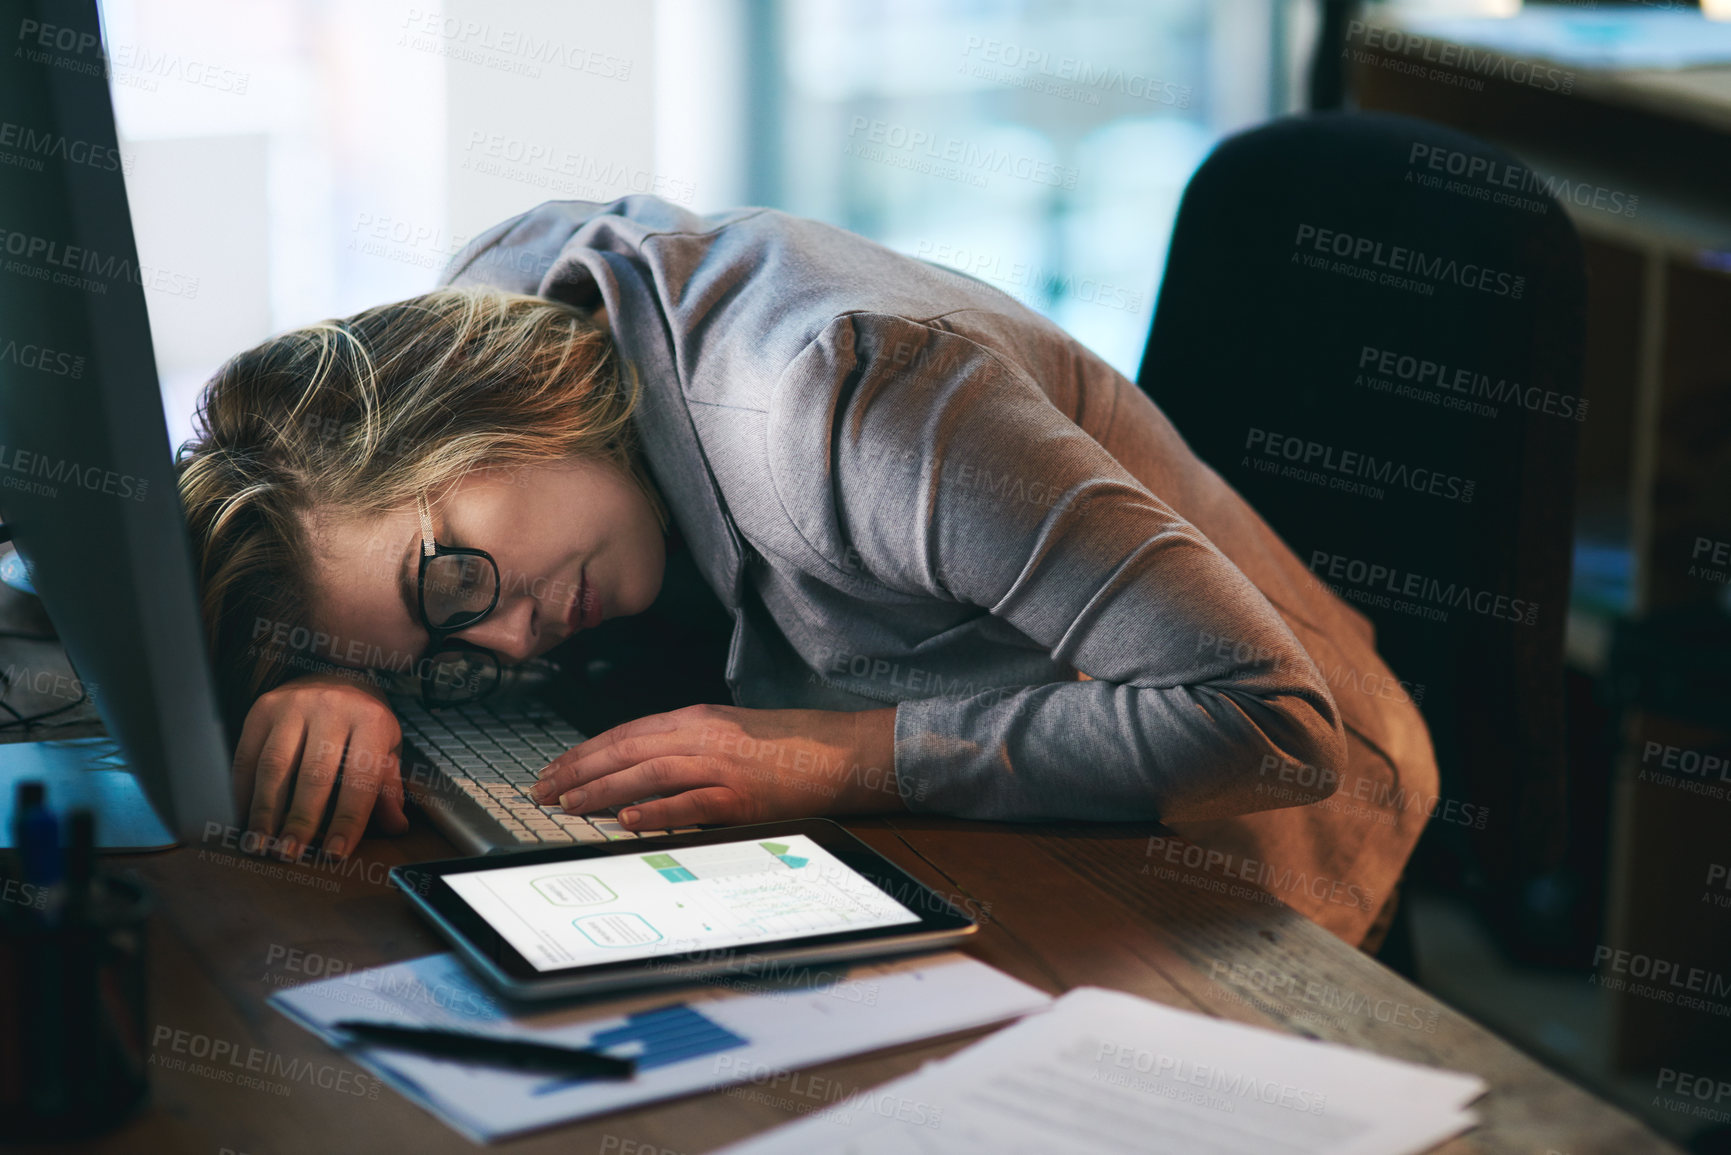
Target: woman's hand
[294,740]
[730,765]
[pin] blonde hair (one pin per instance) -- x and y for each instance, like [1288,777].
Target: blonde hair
[360,415]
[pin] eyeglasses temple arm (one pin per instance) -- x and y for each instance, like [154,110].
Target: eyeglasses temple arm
[426,527]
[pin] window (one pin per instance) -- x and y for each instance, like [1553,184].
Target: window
[1042,147]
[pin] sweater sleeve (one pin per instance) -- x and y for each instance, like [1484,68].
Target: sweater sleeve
[953,476]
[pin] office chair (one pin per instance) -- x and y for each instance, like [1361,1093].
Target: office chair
[1246,329]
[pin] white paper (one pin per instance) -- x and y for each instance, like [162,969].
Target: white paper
[1106,1072]
[686,1039]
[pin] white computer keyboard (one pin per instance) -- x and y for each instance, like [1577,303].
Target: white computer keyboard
[483,760]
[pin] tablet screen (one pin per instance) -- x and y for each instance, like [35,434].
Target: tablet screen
[632,906]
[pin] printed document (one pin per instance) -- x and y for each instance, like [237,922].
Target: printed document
[1106,1073]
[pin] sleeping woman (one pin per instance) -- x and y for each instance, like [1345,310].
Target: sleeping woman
[971,570]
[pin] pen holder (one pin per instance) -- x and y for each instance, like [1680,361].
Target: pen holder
[72,1013]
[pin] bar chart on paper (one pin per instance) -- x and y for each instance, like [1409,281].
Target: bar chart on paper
[670,1034]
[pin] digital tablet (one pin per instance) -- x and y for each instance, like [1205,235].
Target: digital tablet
[770,898]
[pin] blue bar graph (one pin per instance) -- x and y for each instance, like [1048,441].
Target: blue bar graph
[668,1034]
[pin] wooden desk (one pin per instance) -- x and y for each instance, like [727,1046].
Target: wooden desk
[1062,906]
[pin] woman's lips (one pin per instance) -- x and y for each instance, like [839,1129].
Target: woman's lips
[585,612]
[589,605]
[574,612]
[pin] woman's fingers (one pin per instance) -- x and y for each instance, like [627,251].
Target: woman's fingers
[694,792]
[273,774]
[710,806]
[257,727]
[369,772]
[293,743]
[628,744]
[624,745]
[388,814]
[662,775]
[320,759]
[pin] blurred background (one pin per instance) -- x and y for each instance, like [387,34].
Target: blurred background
[294,160]
[319,157]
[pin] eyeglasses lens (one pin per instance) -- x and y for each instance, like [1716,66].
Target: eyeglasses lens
[458,589]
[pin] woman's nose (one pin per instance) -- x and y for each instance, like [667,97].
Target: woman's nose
[507,631]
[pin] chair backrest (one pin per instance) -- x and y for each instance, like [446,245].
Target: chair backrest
[1371,326]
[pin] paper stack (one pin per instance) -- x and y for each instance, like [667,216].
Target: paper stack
[683,1039]
[1106,1072]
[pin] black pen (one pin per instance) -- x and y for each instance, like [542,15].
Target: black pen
[489,1051]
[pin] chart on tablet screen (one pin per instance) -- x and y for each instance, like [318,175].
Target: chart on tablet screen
[669,902]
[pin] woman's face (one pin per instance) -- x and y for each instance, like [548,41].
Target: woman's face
[553,529]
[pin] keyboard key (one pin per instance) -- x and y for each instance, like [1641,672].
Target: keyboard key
[494,756]
[611,828]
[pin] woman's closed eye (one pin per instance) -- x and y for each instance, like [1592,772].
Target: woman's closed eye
[467,577]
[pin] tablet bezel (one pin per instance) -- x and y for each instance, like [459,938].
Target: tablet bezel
[940,922]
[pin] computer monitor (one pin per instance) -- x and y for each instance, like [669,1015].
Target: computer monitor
[87,480]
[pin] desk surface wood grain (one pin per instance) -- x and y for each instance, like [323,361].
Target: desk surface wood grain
[1061,905]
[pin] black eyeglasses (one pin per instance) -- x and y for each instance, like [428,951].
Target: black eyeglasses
[456,589]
